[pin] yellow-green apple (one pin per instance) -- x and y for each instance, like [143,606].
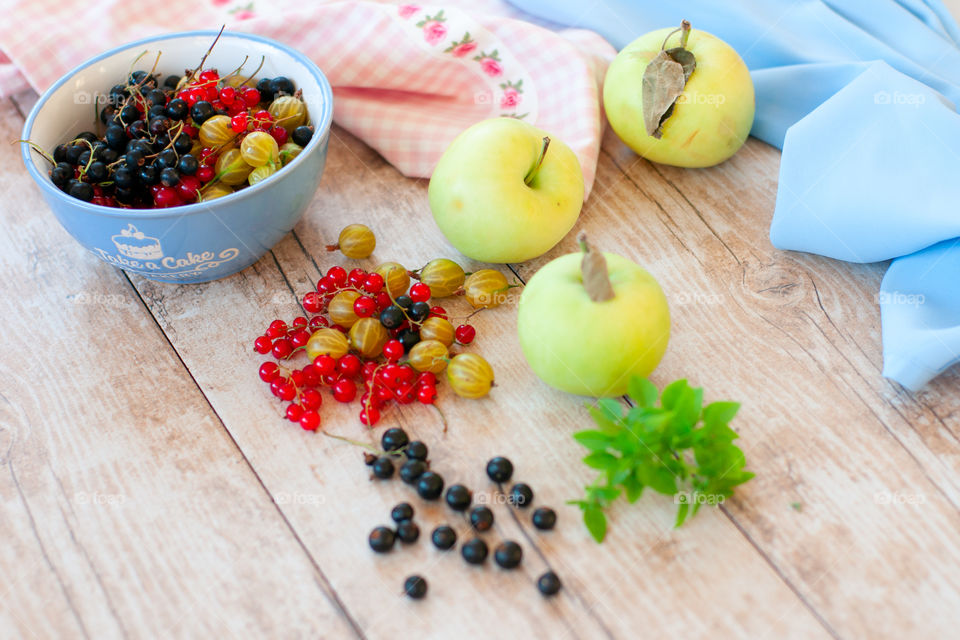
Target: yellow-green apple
[505,191]
[588,322]
[710,119]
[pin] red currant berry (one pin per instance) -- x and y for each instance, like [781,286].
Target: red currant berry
[369,368]
[344,390]
[299,338]
[364,306]
[419,292]
[263,117]
[294,412]
[427,378]
[188,187]
[371,399]
[312,302]
[310,420]
[279,134]
[269,371]
[263,345]
[310,376]
[406,393]
[190,130]
[427,394]
[407,374]
[357,277]
[330,379]
[438,312]
[326,285]
[383,300]
[250,97]
[465,334]
[299,321]
[373,283]
[282,348]
[349,365]
[238,123]
[228,95]
[369,416]
[166,197]
[276,385]
[209,75]
[311,399]
[318,322]
[325,365]
[339,328]
[391,376]
[287,392]
[384,395]
[205,174]
[393,350]
[296,377]
[338,275]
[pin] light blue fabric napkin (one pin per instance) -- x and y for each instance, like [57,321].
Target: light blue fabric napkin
[860,96]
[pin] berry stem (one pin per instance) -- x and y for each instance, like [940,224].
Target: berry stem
[532,175]
[593,267]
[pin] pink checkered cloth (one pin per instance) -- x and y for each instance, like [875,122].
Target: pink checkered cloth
[407,78]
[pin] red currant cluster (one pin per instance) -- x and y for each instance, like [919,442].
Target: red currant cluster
[369,334]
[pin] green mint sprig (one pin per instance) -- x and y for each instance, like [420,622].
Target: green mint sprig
[679,448]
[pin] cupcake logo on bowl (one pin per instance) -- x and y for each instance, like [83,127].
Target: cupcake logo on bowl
[133,243]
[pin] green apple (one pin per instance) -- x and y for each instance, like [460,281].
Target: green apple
[505,191]
[710,120]
[582,342]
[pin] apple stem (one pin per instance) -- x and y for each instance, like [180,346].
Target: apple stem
[593,268]
[536,168]
[684,28]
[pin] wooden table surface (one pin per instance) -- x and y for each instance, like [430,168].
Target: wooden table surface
[151,489]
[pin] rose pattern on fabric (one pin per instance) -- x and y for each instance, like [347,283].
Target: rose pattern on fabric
[462,47]
[433,28]
[490,63]
[407,10]
[511,94]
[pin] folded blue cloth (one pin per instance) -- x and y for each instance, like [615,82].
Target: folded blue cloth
[860,96]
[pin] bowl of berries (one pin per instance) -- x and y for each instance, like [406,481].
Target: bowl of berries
[183,157]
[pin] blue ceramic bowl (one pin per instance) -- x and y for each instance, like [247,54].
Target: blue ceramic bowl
[197,242]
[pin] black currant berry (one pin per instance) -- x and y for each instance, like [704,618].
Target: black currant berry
[508,554]
[265,88]
[419,311]
[544,518]
[188,165]
[415,587]
[302,135]
[549,584]
[147,175]
[391,317]
[137,129]
[81,191]
[408,531]
[169,176]
[166,158]
[129,114]
[474,551]
[521,495]
[481,518]
[383,468]
[411,470]
[60,153]
[97,172]
[404,302]
[408,338]
[381,539]
[458,497]
[178,109]
[416,450]
[430,485]
[61,174]
[444,537]
[393,439]
[115,137]
[183,144]
[171,82]
[201,111]
[499,469]
[157,111]
[280,85]
[402,511]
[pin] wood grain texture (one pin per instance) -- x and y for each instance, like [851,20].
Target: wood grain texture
[126,510]
[155,490]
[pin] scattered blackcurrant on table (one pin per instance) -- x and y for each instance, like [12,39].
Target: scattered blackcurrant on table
[499,469]
[508,554]
[417,450]
[458,497]
[382,539]
[402,511]
[481,518]
[411,470]
[415,587]
[444,537]
[474,551]
[549,584]
[521,495]
[394,439]
[430,485]
[408,531]
[383,468]
[544,518]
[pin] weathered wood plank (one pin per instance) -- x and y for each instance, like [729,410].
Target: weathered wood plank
[125,507]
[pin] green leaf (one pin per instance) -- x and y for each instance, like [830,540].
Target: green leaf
[593,440]
[720,412]
[633,488]
[681,513]
[643,392]
[596,522]
[608,414]
[600,460]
